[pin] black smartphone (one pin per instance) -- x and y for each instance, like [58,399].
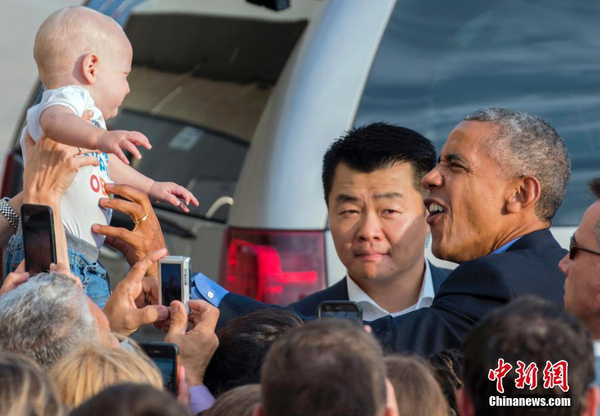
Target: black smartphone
[342,309]
[166,357]
[38,237]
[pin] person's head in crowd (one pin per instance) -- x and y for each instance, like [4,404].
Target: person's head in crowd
[582,267]
[243,345]
[45,318]
[413,380]
[502,174]
[239,401]
[25,388]
[130,399]
[92,368]
[447,368]
[325,367]
[529,330]
[378,168]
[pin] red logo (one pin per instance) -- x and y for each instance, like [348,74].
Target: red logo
[556,375]
[499,373]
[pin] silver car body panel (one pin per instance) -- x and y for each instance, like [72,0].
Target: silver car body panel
[315,100]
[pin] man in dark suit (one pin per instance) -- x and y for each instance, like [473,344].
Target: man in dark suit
[372,184]
[501,176]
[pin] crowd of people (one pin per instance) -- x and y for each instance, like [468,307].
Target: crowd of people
[509,331]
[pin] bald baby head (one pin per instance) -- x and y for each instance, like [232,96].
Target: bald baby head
[71,33]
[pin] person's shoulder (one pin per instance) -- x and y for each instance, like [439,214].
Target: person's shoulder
[77,98]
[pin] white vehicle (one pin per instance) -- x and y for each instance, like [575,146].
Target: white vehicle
[240,103]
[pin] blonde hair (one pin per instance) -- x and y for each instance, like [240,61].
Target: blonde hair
[25,389]
[92,368]
[417,391]
[68,34]
[239,401]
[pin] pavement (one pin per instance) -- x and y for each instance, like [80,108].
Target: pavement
[19,21]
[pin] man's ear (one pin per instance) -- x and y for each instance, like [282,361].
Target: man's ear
[258,411]
[391,404]
[592,401]
[526,194]
[89,68]
[464,403]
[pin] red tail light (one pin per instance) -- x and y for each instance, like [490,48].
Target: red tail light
[11,168]
[278,267]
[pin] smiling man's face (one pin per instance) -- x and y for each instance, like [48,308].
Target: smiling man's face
[377,221]
[468,195]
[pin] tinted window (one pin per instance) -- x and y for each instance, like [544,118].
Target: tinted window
[206,162]
[439,61]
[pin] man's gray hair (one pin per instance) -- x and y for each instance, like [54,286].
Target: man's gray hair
[45,318]
[526,145]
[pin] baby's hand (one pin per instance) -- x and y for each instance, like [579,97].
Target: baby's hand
[114,141]
[174,194]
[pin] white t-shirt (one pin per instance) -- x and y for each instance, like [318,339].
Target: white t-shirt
[79,205]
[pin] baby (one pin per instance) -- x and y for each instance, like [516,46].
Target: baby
[83,59]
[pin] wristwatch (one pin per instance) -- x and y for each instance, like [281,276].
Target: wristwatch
[9,213]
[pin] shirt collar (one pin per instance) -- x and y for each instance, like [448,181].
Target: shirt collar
[372,310]
[505,246]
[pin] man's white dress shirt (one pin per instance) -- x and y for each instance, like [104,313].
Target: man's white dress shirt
[372,311]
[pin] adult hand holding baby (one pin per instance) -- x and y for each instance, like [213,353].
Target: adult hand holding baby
[49,173]
[145,238]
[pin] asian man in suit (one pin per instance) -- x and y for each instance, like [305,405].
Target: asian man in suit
[372,183]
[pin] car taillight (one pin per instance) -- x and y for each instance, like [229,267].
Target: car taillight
[8,175]
[278,267]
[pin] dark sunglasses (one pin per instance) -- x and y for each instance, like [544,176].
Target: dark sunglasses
[573,247]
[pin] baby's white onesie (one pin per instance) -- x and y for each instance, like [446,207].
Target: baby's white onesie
[79,205]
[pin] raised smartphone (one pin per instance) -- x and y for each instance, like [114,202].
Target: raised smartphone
[38,237]
[166,357]
[174,280]
[341,309]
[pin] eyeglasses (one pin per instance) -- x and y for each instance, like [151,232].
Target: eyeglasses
[573,247]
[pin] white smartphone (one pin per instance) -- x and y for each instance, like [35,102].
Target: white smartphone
[174,280]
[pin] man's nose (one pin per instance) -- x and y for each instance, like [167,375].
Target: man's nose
[370,227]
[564,264]
[433,179]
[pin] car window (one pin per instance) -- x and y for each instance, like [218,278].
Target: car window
[439,61]
[206,162]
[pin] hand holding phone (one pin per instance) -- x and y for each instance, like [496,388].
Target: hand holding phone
[341,309]
[38,237]
[174,280]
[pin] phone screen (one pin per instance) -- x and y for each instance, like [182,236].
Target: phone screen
[170,282]
[38,238]
[167,369]
[342,314]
